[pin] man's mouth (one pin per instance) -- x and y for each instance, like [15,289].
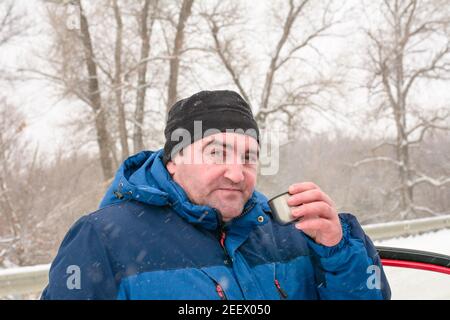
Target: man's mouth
[230,189]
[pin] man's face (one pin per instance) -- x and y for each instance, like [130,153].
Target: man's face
[219,171]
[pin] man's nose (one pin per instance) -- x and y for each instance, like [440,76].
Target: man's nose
[234,173]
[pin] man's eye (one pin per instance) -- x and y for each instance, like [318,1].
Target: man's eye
[251,158]
[218,153]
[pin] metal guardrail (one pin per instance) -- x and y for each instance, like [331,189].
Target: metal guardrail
[395,229]
[25,280]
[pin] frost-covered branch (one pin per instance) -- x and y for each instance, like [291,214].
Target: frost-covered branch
[377,159]
[440,182]
[425,209]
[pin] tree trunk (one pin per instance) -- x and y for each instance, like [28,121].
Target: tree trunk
[118,83]
[175,59]
[406,195]
[145,34]
[103,139]
[400,121]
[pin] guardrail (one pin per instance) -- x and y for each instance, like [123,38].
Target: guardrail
[23,280]
[26,280]
[395,229]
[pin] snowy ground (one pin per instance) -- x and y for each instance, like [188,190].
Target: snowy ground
[418,284]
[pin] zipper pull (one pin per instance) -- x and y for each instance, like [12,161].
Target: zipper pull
[283,293]
[223,235]
[228,259]
[222,239]
[220,292]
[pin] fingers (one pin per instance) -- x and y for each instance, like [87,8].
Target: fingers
[317,213]
[314,209]
[323,231]
[318,228]
[313,224]
[302,186]
[309,196]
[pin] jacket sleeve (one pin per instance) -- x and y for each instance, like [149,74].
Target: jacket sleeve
[351,269]
[81,269]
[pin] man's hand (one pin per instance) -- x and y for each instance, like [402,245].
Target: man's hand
[319,218]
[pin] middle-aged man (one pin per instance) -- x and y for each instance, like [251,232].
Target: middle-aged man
[185,222]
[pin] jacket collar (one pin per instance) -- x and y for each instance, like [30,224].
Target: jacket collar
[144,178]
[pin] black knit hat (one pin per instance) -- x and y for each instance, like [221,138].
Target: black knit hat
[219,110]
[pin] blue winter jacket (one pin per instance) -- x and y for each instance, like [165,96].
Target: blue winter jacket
[148,241]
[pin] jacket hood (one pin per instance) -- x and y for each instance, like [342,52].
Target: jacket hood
[143,177]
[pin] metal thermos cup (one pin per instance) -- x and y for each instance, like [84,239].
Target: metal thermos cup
[280,209]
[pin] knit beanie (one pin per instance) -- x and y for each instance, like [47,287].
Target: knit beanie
[206,113]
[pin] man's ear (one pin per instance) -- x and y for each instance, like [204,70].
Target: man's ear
[171,167]
[172,163]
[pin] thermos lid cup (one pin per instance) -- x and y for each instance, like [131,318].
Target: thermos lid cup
[280,209]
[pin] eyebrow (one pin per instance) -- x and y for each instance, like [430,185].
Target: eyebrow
[229,146]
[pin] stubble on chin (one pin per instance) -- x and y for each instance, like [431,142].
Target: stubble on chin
[229,212]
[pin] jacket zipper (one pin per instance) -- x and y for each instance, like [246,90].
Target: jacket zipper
[222,234]
[222,238]
[281,291]
[220,292]
[245,211]
[219,289]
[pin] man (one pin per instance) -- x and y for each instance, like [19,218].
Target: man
[186,223]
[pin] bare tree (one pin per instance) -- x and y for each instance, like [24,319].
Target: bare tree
[75,47]
[219,18]
[407,50]
[119,70]
[118,83]
[283,93]
[145,33]
[94,96]
[184,14]
[12,124]
[12,23]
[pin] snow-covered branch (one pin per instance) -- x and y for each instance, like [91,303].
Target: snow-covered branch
[425,209]
[377,159]
[432,181]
